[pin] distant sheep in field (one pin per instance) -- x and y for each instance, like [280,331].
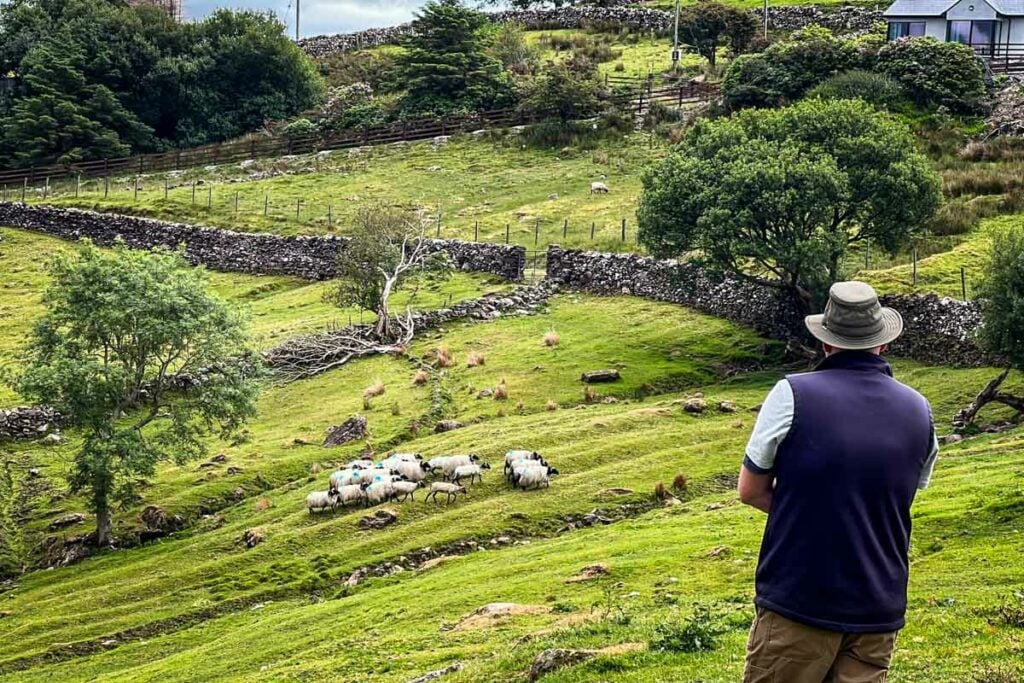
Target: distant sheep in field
[450,490]
[599,187]
[532,476]
[456,461]
[512,456]
[406,489]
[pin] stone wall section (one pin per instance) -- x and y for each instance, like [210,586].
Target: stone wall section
[937,330]
[313,257]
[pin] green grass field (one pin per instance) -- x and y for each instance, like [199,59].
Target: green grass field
[199,606]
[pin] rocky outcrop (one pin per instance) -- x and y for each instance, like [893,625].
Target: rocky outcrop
[937,330]
[314,257]
[349,430]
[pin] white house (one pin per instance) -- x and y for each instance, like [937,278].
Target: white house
[994,28]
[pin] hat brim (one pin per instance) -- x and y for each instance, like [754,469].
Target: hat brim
[892,327]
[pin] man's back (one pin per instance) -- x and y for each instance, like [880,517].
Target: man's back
[835,547]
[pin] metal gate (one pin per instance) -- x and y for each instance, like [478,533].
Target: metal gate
[536,265]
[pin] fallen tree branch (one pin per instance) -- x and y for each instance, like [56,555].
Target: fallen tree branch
[990,394]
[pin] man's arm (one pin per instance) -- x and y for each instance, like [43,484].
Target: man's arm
[757,478]
[756,489]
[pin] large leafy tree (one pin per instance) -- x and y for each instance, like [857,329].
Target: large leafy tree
[136,353]
[706,26]
[447,66]
[779,195]
[558,91]
[186,83]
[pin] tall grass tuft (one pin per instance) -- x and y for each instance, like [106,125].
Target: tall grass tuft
[551,338]
[474,359]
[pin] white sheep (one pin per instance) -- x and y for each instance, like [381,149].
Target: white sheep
[352,493]
[322,500]
[345,477]
[456,461]
[512,456]
[599,187]
[450,490]
[412,471]
[532,477]
[524,462]
[359,464]
[406,489]
[470,471]
[437,463]
[380,491]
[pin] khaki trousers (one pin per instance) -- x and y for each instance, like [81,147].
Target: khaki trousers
[784,651]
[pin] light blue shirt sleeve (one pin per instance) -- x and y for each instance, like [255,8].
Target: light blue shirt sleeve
[773,423]
[929,464]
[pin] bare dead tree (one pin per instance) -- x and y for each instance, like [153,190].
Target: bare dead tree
[388,247]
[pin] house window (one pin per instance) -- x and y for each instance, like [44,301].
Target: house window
[981,35]
[905,29]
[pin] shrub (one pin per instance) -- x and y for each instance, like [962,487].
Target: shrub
[876,89]
[421,377]
[698,634]
[933,73]
[562,92]
[659,491]
[444,356]
[785,71]
[520,408]
[508,45]
[551,338]
[679,483]
[959,215]
[551,405]
[590,395]
[501,392]
[396,409]
[474,359]
[300,128]
[374,390]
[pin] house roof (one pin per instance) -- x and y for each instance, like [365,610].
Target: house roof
[919,8]
[936,8]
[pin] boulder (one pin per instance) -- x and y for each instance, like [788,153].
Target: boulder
[67,520]
[726,407]
[600,376]
[695,406]
[557,658]
[447,426]
[254,536]
[434,675]
[589,573]
[351,429]
[378,520]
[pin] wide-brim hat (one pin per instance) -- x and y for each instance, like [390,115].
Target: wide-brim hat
[854,320]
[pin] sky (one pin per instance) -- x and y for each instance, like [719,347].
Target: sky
[319,16]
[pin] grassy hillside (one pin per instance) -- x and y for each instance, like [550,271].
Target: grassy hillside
[200,606]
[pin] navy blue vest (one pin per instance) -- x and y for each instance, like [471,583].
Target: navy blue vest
[834,553]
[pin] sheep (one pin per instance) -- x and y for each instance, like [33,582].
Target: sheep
[412,471]
[344,477]
[471,471]
[599,187]
[437,463]
[520,455]
[359,464]
[533,477]
[524,462]
[406,489]
[352,493]
[322,500]
[456,461]
[381,490]
[450,490]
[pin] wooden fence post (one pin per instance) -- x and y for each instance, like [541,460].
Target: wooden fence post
[298,207]
[565,228]
[330,218]
[5,192]
[476,231]
[623,229]
[24,188]
[135,188]
[536,233]
[592,226]
[963,283]
[508,233]
[236,204]
[266,202]
[166,188]
[209,197]
[106,186]
[914,276]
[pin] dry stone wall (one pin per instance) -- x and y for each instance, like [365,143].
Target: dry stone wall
[937,330]
[787,18]
[313,257]
[27,423]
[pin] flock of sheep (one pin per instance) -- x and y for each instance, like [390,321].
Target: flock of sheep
[398,476]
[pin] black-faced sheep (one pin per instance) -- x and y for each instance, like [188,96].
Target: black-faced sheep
[450,490]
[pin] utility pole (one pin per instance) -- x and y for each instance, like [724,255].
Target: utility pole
[297,19]
[765,19]
[675,42]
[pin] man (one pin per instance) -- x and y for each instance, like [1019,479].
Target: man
[835,459]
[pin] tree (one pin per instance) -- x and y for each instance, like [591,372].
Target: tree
[1002,295]
[704,26]
[387,249]
[563,93]
[137,354]
[778,195]
[446,65]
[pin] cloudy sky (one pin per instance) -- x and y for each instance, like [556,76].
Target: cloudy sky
[319,16]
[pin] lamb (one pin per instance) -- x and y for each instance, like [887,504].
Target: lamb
[352,493]
[471,471]
[455,461]
[599,187]
[406,489]
[450,490]
[533,477]
[322,500]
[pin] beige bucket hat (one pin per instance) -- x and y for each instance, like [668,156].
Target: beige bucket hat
[853,318]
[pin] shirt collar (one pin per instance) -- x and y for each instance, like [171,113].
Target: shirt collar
[855,360]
